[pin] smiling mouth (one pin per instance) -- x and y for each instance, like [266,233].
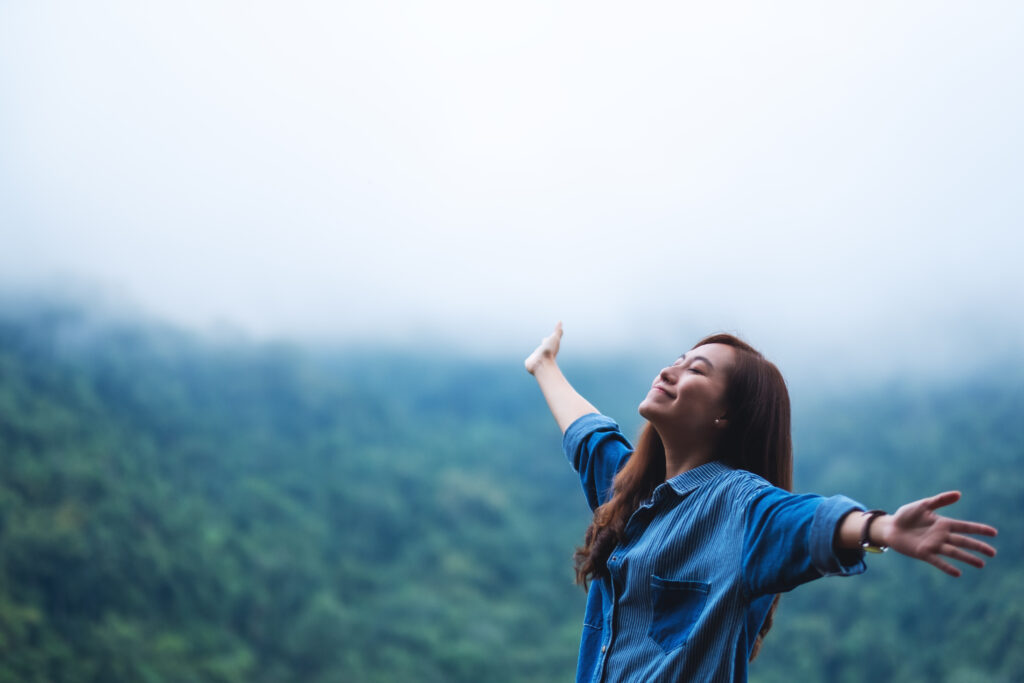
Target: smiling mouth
[664,390]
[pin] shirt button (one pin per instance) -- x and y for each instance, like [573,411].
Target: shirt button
[614,557]
[603,648]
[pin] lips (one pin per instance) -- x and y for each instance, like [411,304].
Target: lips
[663,390]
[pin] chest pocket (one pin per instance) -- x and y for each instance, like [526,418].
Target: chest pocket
[675,608]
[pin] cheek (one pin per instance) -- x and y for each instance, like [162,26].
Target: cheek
[699,400]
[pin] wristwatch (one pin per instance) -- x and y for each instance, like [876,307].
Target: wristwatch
[865,532]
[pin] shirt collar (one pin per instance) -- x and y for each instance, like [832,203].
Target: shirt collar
[691,479]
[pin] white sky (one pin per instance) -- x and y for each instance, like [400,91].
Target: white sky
[821,177]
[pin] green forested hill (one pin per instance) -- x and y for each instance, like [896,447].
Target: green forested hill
[173,509]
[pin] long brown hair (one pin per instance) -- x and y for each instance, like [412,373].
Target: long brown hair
[756,438]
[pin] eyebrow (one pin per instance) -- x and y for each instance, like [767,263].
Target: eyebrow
[697,358]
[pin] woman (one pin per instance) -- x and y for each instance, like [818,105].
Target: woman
[695,531]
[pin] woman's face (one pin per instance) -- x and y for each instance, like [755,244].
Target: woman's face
[688,396]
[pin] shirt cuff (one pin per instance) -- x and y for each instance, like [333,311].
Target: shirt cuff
[826,558]
[582,427]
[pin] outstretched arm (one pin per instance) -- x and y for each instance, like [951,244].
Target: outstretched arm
[564,401]
[917,531]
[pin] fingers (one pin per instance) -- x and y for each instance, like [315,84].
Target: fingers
[942,499]
[962,555]
[555,336]
[955,549]
[972,544]
[943,566]
[972,528]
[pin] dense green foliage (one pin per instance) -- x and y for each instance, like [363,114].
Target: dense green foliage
[174,509]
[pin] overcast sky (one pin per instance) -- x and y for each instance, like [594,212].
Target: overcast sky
[821,177]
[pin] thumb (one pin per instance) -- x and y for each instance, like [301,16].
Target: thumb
[942,499]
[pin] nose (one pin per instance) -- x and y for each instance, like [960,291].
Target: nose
[667,374]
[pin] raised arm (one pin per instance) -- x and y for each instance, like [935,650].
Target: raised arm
[565,402]
[917,531]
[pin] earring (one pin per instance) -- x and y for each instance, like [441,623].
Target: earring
[717,420]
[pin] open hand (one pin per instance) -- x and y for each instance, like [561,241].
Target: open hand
[547,350]
[917,531]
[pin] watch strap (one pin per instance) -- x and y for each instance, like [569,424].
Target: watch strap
[865,532]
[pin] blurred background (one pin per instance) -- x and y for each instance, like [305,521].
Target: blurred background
[269,271]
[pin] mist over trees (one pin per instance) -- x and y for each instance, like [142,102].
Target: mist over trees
[183,509]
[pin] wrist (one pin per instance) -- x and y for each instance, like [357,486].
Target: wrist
[881,531]
[874,533]
[542,364]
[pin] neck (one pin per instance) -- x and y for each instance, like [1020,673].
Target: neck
[682,457]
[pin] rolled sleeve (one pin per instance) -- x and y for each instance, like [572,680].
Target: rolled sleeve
[788,540]
[597,450]
[826,558]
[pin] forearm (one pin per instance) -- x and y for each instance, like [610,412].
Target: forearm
[565,403]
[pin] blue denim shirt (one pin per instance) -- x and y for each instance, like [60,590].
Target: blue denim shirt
[692,581]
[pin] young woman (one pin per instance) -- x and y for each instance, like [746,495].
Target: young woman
[695,531]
